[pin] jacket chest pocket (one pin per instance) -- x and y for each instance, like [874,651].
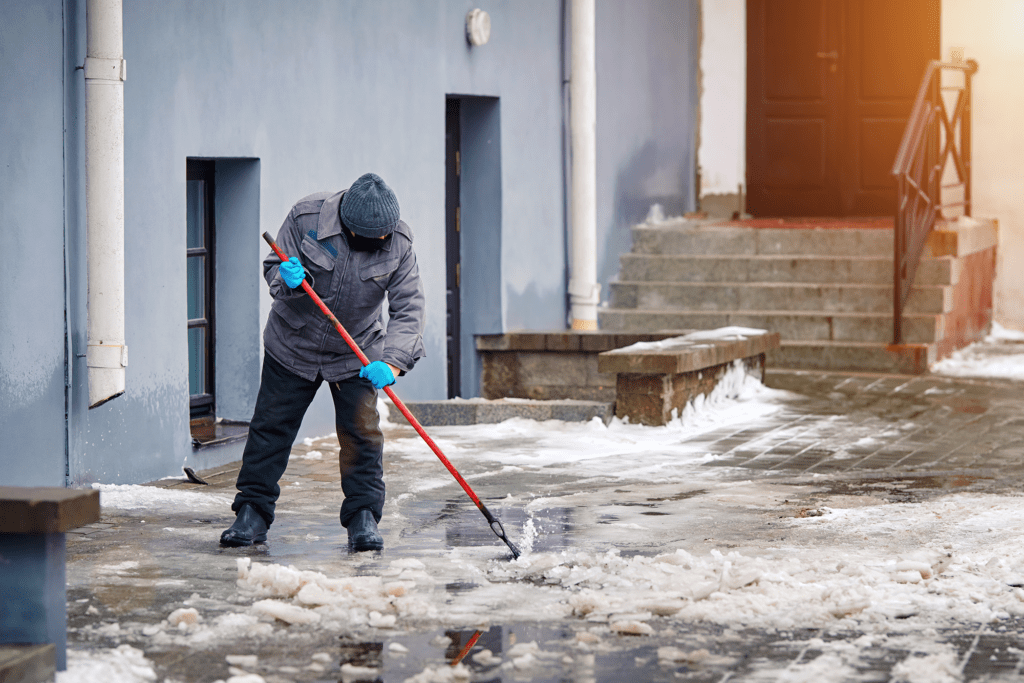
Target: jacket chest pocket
[373,282]
[319,261]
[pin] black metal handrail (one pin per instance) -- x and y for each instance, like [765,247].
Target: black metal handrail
[933,136]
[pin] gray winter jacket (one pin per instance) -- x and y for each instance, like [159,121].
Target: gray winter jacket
[353,285]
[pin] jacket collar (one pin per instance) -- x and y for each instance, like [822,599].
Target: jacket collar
[330,221]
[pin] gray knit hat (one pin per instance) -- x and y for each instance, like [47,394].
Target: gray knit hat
[370,207]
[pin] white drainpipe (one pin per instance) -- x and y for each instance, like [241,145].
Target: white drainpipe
[107,355]
[584,291]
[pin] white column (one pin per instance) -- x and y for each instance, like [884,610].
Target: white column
[107,355]
[584,291]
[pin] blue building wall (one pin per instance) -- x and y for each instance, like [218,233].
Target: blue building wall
[32,349]
[647,104]
[302,97]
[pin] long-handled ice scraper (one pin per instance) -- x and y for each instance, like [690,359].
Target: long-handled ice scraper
[493,521]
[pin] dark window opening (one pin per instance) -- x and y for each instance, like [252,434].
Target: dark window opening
[222,205]
[205,427]
[453,280]
[200,272]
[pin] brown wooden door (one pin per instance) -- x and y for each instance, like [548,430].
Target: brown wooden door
[830,84]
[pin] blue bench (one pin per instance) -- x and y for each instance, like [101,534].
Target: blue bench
[33,609]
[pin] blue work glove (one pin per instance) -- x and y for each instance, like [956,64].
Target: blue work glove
[292,272]
[378,373]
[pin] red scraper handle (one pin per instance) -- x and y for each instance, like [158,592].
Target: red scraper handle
[493,521]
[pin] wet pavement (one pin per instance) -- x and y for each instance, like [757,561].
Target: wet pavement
[842,442]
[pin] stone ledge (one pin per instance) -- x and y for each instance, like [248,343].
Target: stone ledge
[687,353]
[574,340]
[459,412]
[25,510]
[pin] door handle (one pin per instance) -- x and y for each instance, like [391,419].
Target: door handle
[829,55]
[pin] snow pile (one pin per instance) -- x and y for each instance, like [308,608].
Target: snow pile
[1000,355]
[790,588]
[135,497]
[187,628]
[593,448]
[123,664]
[941,667]
[307,597]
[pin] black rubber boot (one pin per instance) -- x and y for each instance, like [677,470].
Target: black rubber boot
[362,532]
[248,528]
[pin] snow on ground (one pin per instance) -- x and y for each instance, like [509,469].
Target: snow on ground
[135,497]
[888,571]
[1000,355]
[596,449]
[690,340]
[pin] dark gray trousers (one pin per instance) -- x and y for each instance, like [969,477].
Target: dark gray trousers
[280,406]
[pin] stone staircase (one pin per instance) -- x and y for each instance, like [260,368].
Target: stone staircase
[827,291]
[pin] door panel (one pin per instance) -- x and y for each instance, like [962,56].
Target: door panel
[888,45]
[794,31]
[792,108]
[830,84]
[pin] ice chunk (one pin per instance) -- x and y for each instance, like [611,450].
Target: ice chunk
[243,661]
[486,658]
[378,620]
[246,678]
[520,649]
[185,615]
[633,628]
[672,655]
[585,602]
[924,568]
[286,612]
[664,607]
[351,673]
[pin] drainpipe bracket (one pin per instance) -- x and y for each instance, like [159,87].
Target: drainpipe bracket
[97,69]
[585,292]
[107,356]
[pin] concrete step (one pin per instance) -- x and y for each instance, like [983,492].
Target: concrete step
[763,296]
[471,411]
[688,238]
[908,359]
[792,325]
[780,268]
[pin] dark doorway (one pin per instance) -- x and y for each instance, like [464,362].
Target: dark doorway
[830,84]
[453,250]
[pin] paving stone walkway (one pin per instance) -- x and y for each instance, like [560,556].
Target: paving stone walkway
[900,438]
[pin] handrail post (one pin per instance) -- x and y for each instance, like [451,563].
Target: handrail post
[965,136]
[919,169]
[898,249]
